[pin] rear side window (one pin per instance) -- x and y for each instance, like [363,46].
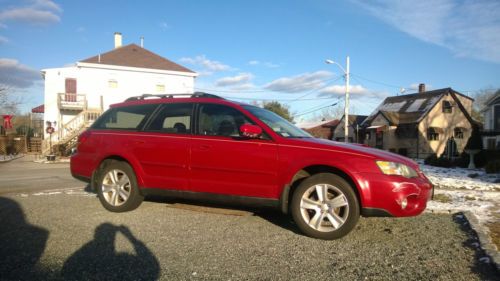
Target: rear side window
[173,118]
[125,118]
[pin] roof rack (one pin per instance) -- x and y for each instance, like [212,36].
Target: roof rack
[165,96]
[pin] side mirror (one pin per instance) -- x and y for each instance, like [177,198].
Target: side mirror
[250,131]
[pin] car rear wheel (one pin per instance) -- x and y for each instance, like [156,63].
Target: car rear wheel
[325,206]
[117,187]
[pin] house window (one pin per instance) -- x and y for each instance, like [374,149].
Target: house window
[113,83]
[433,134]
[160,88]
[447,106]
[458,133]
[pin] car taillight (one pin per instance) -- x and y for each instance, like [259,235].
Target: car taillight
[83,137]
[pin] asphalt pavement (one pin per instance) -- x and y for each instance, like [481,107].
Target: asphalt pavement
[65,234]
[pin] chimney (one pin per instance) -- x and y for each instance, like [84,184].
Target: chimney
[118,40]
[421,88]
[142,41]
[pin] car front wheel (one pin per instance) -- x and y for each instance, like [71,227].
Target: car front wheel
[117,187]
[325,206]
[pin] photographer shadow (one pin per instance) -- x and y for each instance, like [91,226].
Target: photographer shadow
[21,244]
[99,260]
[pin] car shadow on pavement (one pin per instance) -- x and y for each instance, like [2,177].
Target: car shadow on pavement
[483,264]
[21,244]
[99,260]
[269,214]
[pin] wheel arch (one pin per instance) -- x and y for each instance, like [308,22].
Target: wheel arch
[311,170]
[115,157]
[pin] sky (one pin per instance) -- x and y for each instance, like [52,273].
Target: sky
[267,50]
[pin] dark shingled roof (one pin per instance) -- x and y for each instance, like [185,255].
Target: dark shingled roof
[135,56]
[413,108]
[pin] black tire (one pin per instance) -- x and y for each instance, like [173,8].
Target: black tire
[126,183]
[316,217]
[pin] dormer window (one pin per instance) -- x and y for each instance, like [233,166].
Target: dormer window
[447,106]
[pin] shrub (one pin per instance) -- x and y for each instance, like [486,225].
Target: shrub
[433,160]
[492,167]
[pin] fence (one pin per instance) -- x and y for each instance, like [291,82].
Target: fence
[12,144]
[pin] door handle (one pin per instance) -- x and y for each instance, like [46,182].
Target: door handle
[139,142]
[205,147]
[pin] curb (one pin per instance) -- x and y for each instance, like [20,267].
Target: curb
[485,243]
[488,247]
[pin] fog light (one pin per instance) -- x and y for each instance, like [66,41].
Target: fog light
[404,203]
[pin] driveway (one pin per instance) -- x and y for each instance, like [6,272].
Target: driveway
[65,234]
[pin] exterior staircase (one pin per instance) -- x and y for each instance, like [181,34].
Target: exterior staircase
[69,132]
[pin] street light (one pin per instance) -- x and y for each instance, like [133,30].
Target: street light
[346,109]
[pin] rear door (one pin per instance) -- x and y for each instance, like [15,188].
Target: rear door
[225,163]
[163,147]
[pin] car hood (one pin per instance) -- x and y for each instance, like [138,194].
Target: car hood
[358,149]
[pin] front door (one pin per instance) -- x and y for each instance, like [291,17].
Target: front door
[379,139]
[223,162]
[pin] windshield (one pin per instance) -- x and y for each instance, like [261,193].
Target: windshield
[277,123]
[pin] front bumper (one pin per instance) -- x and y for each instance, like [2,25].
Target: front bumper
[393,195]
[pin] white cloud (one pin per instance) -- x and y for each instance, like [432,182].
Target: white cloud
[3,26]
[355,92]
[47,4]
[3,40]
[244,87]
[266,64]
[469,28]
[208,66]
[300,83]
[38,12]
[16,75]
[234,80]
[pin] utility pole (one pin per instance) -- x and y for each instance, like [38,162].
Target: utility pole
[346,109]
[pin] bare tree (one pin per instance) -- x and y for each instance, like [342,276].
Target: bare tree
[8,103]
[480,99]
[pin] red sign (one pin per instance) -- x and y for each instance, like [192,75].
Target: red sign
[49,130]
[7,121]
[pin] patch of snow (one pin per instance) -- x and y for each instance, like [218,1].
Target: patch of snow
[415,105]
[394,107]
[456,191]
[458,178]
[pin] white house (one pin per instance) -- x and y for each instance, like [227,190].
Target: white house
[75,95]
[491,132]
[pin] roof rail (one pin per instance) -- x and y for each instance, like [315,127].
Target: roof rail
[164,96]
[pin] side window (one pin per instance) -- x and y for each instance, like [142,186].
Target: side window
[220,120]
[173,119]
[125,118]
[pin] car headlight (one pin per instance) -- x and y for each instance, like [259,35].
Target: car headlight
[393,168]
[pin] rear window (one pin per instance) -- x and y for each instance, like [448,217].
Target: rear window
[125,118]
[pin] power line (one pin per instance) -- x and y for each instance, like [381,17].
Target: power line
[315,110]
[376,82]
[311,91]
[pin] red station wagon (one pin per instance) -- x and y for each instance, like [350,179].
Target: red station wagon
[204,147]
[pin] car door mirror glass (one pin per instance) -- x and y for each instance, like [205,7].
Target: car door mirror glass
[250,131]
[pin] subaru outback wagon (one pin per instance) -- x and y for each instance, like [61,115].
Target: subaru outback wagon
[207,148]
